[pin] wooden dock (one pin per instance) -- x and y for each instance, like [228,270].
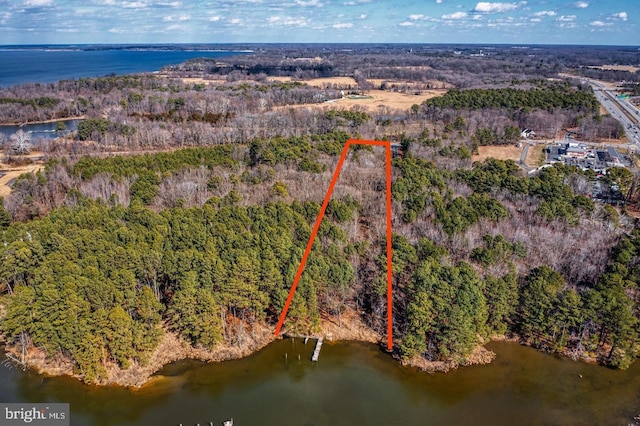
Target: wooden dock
[316,351]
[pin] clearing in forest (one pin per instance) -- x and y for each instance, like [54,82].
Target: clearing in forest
[8,173]
[499,152]
[629,68]
[377,99]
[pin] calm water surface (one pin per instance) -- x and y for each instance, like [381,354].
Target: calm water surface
[38,65]
[39,130]
[352,384]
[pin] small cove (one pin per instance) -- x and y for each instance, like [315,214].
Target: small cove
[353,383]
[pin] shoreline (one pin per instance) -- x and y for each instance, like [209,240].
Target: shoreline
[51,120]
[173,348]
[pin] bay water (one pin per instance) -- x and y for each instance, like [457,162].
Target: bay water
[46,64]
[351,384]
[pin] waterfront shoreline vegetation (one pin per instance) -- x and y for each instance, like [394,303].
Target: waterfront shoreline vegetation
[107,260]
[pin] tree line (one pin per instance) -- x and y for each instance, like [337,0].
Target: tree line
[561,97]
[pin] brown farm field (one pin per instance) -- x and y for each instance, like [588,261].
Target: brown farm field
[629,68]
[349,82]
[372,99]
[200,80]
[377,99]
[344,82]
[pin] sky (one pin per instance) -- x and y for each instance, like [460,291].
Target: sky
[607,22]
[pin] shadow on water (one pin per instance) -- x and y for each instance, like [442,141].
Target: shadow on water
[352,383]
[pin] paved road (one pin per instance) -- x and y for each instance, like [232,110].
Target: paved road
[620,109]
[523,155]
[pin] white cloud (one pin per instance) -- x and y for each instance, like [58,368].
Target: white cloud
[417,17]
[545,13]
[314,3]
[438,1]
[581,4]
[342,25]
[406,24]
[37,3]
[621,15]
[288,21]
[486,7]
[179,18]
[567,18]
[598,24]
[457,15]
[295,22]
[236,21]
[215,18]
[133,5]
[363,16]
[170,4]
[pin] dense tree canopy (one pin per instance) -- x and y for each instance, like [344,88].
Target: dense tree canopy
[561,96]
[94,283]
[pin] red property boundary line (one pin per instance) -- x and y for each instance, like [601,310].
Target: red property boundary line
[303,262]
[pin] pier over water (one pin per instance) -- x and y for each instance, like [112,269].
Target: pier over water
[316,351]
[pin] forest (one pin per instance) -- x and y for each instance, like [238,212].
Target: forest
[181,207]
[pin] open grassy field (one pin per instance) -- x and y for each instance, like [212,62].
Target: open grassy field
[349,82]
[375,99]
[380,99]
[343,82]
[499,152]
[200,80]
[535,156]
[629,68]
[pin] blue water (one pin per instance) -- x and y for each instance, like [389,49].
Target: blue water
[37,64]
[39,130]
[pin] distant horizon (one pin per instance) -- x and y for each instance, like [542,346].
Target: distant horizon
[372,43]
[545,22]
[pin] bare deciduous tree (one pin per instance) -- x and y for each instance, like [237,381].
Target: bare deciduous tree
[21,142]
